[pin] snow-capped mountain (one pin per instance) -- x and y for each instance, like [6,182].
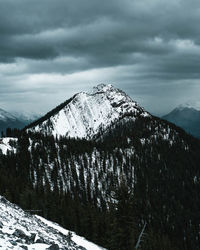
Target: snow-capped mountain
[28,116]
[21,230]
[85,114]
[4,116]
[158,161]
[190,104]
[9,120]
[82,184]
[186,116]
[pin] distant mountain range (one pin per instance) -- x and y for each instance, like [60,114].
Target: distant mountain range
[186,117]
[14,120]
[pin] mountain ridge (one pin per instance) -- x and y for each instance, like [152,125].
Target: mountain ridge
[85,114]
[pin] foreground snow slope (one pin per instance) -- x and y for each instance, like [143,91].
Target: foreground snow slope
[20,230]
[88,113]
[77,239]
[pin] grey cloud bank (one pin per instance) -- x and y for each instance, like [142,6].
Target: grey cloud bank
[50,50]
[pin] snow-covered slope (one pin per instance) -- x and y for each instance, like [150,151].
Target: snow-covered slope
[81,241]
[8,144]
[88,113]
[20,230]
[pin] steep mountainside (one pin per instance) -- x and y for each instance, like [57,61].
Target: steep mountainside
[86,114]
[21,230]
[187,118]
[158,162]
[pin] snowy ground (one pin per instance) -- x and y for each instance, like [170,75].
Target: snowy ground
[81,241]
[20,230]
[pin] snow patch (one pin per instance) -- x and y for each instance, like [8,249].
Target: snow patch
[8,144]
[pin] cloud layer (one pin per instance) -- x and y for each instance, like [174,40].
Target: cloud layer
[52,49]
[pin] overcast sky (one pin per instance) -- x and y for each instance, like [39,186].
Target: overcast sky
[51,49]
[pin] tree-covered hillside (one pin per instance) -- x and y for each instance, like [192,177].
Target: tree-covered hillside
[135,173]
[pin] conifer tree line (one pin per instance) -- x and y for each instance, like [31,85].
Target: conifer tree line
[109,188]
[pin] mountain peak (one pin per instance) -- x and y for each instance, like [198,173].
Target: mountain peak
[102,88]
[190,105]
[85,114]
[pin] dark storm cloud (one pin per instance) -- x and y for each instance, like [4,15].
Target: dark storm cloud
[149,43]
[105,33]
[96,29]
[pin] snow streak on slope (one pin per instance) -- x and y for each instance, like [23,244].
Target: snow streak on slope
[7,144]
[20,230]
[88,113]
